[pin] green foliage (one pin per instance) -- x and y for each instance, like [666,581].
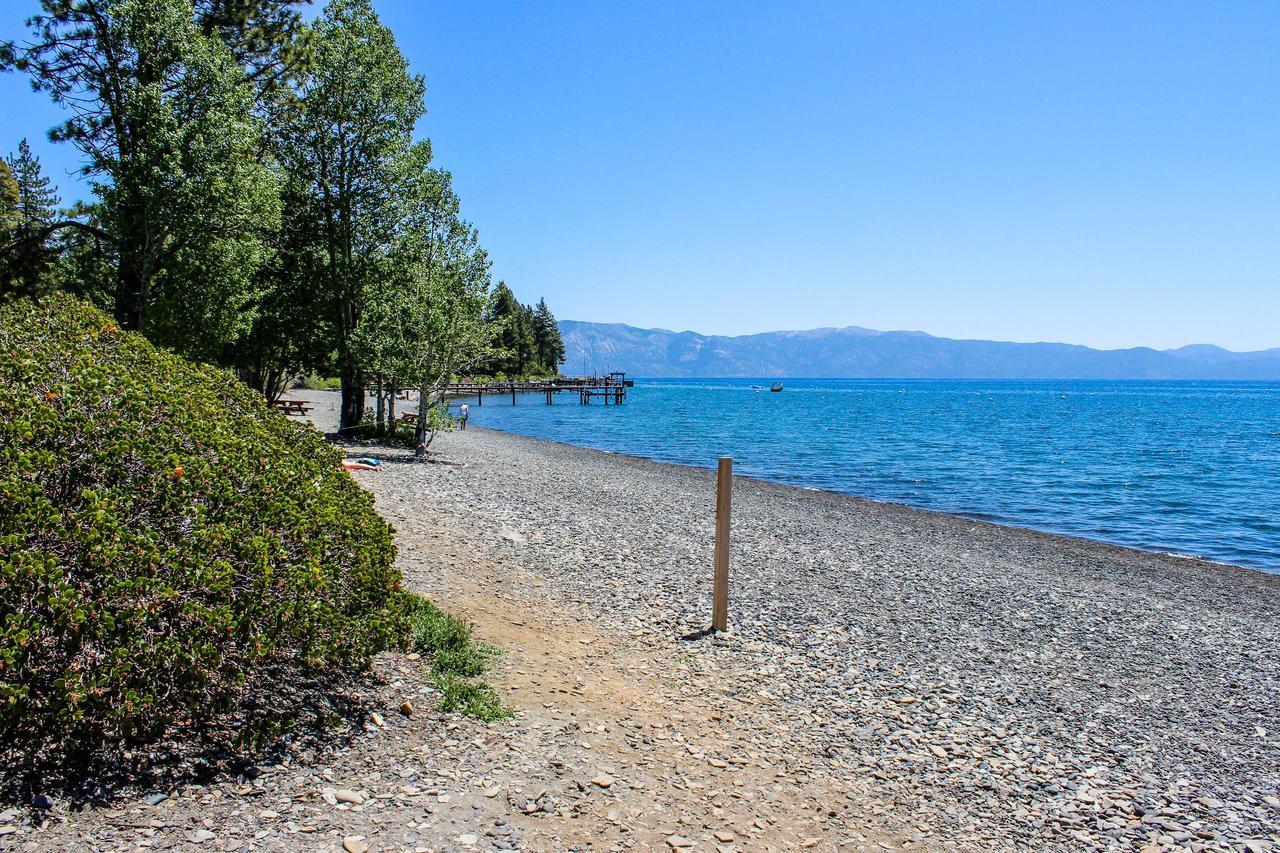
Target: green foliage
[456,660]
[25,250]
[166,541]
[476,699]
[346,144]
[548,345]
[164,118]
[529,343]
[316,382]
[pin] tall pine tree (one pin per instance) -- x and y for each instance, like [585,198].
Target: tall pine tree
[28,255]
[546,333]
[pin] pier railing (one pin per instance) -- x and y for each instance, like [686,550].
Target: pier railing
[610,388]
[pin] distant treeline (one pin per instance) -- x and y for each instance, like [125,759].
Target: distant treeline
[259,199]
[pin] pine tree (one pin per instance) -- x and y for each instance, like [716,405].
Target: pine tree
[38,199]
[550,345]
[10,202]
[31,203]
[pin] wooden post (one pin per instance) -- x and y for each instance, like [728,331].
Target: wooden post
[720,592]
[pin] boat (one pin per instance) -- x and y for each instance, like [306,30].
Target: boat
[776,387]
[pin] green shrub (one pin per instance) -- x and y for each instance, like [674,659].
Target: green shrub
[456,660]
[165,540]
[316,382]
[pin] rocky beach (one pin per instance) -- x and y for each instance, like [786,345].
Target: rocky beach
[892,678]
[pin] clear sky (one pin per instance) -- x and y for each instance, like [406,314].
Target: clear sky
[1106,174]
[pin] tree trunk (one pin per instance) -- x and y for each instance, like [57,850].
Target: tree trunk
[391,408]
[352,399]
[381,405]
[424,406]
[128,296]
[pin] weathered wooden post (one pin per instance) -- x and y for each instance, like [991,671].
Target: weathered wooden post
[720,591]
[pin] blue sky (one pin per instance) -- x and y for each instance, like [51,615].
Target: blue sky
[1106,174]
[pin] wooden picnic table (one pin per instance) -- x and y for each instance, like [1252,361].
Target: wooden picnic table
[293,407]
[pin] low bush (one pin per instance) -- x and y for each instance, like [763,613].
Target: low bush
[165,541]
[316,382]
[457,660]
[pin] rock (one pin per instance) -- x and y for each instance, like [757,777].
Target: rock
[506,534]
[41,802]
[724,836]
[7,830]
[377,719]
[811,842]
[155,799]
[200,836]
[407,708]
[678,842]
[604,780]
[467,839]
[355,798]
[355,844]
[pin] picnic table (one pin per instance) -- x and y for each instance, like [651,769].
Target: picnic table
[293,407]
[409,418]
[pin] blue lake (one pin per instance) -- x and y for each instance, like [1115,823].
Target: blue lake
[1182,467]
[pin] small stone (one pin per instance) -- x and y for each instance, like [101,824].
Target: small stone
[1274,802]
[345,796]
[938,751]
[413,656]
[724,836]
[200,836]
[492,792]
[40,801]
[506,534]
[155,799]
[467,839]
[811,842]
[355,844]
[678,842]
[604,780]
[7,830]
[377,719]
[407,709]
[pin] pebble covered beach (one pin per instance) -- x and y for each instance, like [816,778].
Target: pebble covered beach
[892,678]
[1002,685]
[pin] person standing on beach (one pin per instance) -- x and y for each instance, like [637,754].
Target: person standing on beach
[464,411]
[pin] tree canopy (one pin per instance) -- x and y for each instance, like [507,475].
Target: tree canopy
[261,200]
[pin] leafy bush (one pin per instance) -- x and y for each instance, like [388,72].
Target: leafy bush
[456,660]
[166,541]
[316,382]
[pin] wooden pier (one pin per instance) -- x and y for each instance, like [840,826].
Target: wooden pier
[611,388]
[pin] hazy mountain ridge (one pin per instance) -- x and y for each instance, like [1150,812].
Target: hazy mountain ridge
[853,351]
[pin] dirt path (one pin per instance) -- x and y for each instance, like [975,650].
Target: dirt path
[632,747]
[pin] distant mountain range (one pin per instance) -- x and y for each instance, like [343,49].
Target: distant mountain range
[858,352]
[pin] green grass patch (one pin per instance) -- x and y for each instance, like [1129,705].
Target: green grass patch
[457,660]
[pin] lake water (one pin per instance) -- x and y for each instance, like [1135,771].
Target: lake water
[1183,467]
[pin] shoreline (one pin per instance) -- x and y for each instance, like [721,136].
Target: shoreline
[946,681]
[1046,689]
[1205,562]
